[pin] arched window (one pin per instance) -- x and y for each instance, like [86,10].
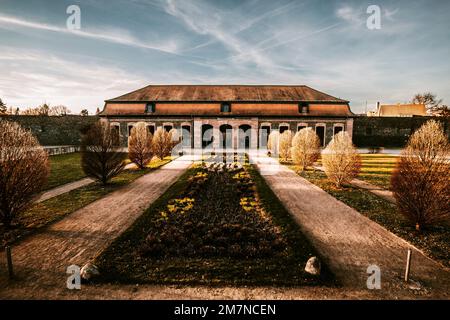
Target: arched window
[115,133]
[338,128]
[320,131]
[244,136]
[264,135]
[226,136]
[283,128]
[186,135]
[207,136]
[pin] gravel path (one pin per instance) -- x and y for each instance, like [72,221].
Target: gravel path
[348,241]
[40,261]
[63,189]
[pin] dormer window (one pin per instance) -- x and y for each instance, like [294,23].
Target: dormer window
[150,107]
[303,107]
[225,107]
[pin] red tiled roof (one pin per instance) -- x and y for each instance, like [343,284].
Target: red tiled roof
[205,93]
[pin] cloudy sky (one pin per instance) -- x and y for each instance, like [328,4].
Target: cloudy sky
[124,45]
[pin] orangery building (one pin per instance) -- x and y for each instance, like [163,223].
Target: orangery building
[228,117]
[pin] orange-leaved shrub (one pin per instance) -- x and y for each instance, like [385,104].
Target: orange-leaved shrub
[140,146]
[421,179]
[163,142]
[305,148]
[24,170]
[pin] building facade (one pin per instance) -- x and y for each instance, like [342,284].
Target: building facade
[228,117]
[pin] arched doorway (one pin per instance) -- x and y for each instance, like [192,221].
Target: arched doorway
[264,135]
[244,136]
[207,136]
[186,136]
[320,131]
[226,136]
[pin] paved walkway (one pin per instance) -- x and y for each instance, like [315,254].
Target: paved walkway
[348,241]
[40,261]
[63,189]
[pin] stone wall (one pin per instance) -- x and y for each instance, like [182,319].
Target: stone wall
[391,132]
[54,131]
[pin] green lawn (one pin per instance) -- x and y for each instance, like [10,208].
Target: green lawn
[43,214]
[213,228]
[64,168]
[434,241]
[377,169]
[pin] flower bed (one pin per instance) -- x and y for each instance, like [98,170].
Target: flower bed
[234,225]
[212,227]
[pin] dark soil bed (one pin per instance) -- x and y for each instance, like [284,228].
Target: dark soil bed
[213,226]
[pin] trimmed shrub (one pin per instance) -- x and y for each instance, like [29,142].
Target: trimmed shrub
[285,144]
[341,160]
[272,142]
[305,148]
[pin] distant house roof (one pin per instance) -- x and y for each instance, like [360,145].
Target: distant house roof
[401,110]
[236,93]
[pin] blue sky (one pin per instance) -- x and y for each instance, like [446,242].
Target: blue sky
[125,45]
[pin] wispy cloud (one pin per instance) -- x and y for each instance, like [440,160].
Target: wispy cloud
[115,36]
[60,80]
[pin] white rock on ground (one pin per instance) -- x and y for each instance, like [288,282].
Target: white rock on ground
[313,266]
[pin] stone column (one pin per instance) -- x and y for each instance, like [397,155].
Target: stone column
[216,135]
[234,143]
[197,134]
[254,137]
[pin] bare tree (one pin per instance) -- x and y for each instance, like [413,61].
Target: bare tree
[420,181]
[163,143]
[431,102]
[285,144]
[101,158]
[30,112]
[59,111]
[341,160]
[23,170]
[305,148]
[140,148]
[3,107]
[442,111]
[43,110]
